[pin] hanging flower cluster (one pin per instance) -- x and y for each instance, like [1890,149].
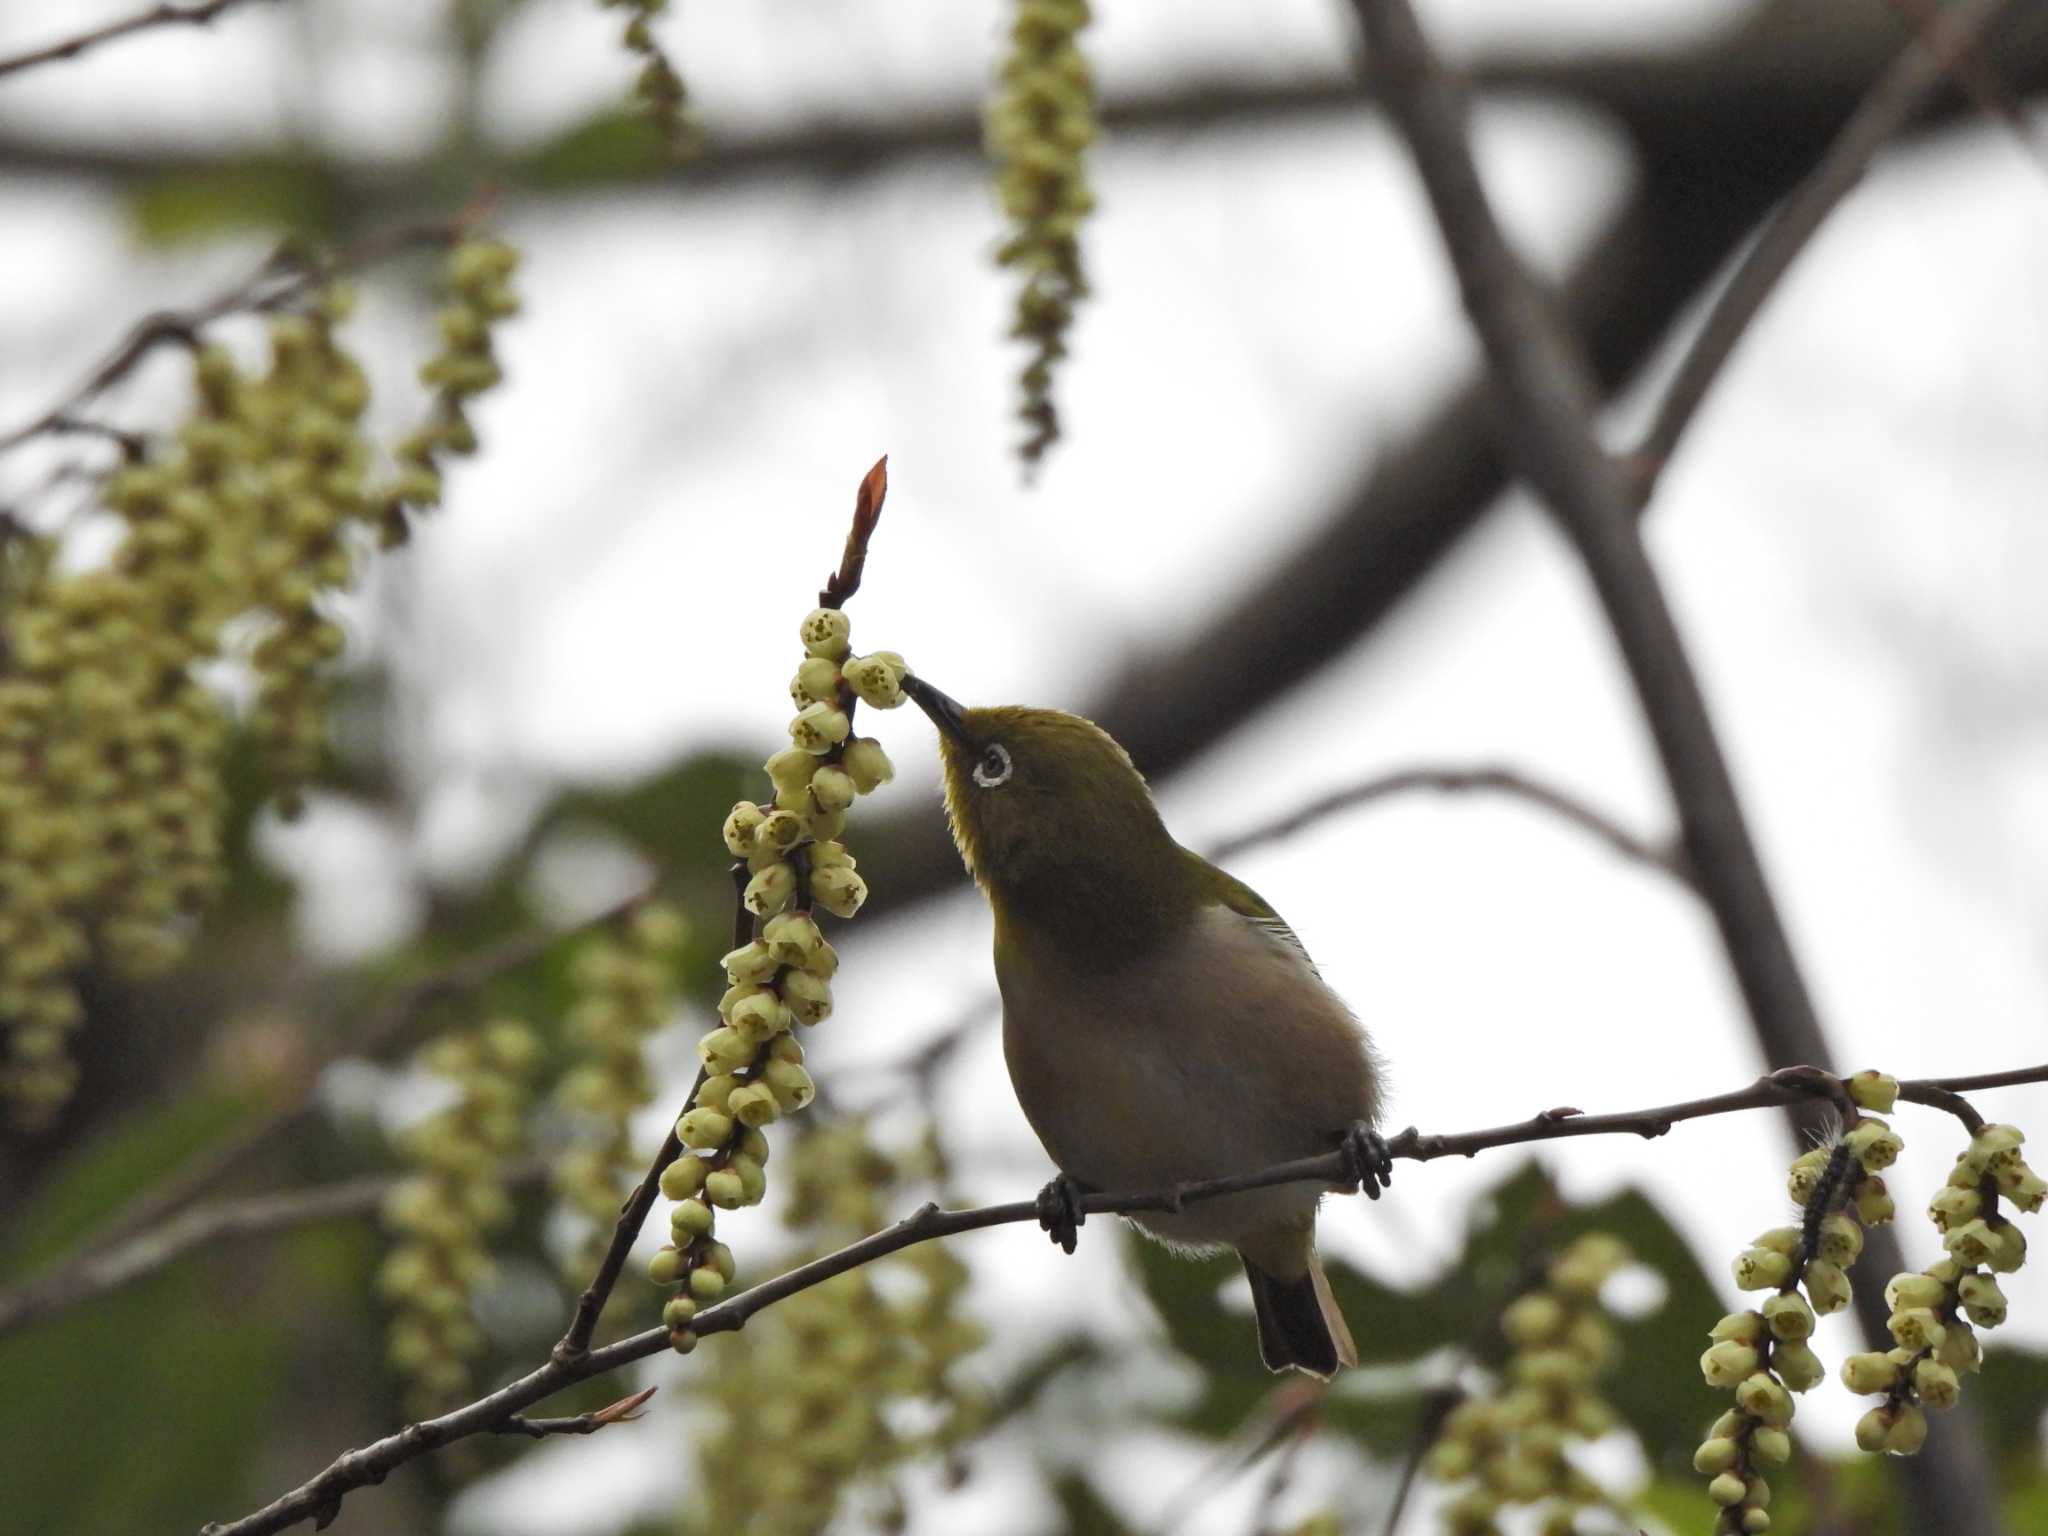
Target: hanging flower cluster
[444,1215]
[780,977]
[1934,1314]
[1510,1447]
[625,982]
[1040,125]
[658,88]
[111,748]
[831,1376]
[1763,1355]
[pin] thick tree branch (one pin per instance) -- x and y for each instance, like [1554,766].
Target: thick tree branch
[1921,70]
[319,1498]
[1548,398]
[199,13]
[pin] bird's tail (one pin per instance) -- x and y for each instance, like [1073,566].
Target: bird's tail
[1299,1324]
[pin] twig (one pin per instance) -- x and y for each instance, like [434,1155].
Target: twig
[867,515]
[287,277]
[1436,1408]
[1664,859]
[320,1497]
[624,1411]
[166,14]
[1972,69]
[1897,98]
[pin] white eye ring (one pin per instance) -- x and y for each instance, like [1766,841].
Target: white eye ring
[993,767]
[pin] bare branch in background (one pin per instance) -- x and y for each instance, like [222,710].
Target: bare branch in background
[1663,858]
[319,1498]
[1922,68]
[198,13]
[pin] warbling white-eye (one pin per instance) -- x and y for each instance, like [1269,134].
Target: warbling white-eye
[1161,1023]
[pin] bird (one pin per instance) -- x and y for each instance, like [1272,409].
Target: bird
[1161,1022]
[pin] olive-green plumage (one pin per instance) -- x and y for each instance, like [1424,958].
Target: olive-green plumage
[1160,1022]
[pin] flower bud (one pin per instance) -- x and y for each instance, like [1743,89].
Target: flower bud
[2023,1187]
[724,1190]
[877,682]
[829,855]
[1771,1445]
[791,769]
[867,764]
[780,831]
[831,789]
[750,964]
[703,1128]
[1874,1202]
[754,1105]
[1727,1489]
[740,826]
[1996,1146]
[791,937]
[1872,1429]
[690,1218]
[665,1267]
[1959,1349]
[1915,1328]
[2010,1247]
[1970,1243]
[1765,1400]
[1841,1240]
[753,1178]
[1798,1366]
[771,890]
[759,1016]
[1952,1206]
[1875,1091]
[818,728]
[1876,1145]
[790,1083]
[706,1285]
[1785,1240]
[1759,1269]
[809,999]
[816,682]
[1983,1301]
[1532,1319]
[1908,1432]
[838,889]
[786,1048]
[824,633]
[1725,1366]
[1738,1328]
[1789,1317]
[1805,1173]
[1716,1455]
[1827,1287]
[1911,1290]
[676,1312]
[1936,1385]
[724,1051]
[682,1178]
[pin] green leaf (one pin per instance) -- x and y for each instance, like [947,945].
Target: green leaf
[612,146]
[185,209]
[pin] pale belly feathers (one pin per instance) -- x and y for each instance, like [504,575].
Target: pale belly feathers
[1224,1057]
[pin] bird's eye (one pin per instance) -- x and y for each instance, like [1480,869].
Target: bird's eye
[993,767]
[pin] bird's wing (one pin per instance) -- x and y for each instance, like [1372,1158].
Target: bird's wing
[1248,903]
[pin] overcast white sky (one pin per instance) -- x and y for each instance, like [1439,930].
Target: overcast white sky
[1852,536]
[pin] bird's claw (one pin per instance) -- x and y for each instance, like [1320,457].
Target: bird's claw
[1059,1211]
[1367,1161]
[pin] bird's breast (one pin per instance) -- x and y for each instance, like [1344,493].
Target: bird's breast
[1219,1053]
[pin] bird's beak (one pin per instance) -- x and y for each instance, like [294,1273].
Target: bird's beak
[945,712]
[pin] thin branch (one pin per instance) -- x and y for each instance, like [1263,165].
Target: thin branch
[319,1498]
[624,1411]
[1436,1407]
[1663,858]
[167,14]
[1920,71]
[286,278]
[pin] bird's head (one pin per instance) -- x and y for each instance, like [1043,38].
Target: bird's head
[1040,799]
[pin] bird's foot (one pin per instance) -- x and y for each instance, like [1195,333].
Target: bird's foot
[1059,1210]
[1367,1162]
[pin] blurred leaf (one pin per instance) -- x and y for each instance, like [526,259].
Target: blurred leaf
[1086,1513]
[2011,1394]
[183,209]
[138,1413]
[112,1169]
[608,147]
[673,817]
